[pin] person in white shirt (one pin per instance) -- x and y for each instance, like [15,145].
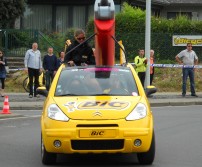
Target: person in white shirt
[188,57]
[33,66]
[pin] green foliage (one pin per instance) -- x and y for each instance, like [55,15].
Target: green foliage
[55,40]
[90,26]
[9,11]
[69,34]
[131,18]
[20,38]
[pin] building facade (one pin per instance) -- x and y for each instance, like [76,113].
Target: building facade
[190,8]
[60,15]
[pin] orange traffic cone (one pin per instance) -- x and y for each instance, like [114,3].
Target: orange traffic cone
[6,106]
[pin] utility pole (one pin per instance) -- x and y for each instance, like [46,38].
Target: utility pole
[148,40]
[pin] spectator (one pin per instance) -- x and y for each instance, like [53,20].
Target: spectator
[33,66]
[82,54]
[188,57]
[60,60]
[140,65]
[50,66]
[151,67]
[3,63]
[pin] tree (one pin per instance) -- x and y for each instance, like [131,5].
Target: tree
[10,10]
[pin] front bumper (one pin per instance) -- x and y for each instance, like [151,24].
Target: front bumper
[109,136]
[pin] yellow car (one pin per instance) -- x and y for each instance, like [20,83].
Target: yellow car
[92,109]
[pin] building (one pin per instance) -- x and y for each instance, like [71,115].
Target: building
[191,8]
[59,15]
[172,8]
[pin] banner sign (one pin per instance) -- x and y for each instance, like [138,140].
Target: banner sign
[182,40]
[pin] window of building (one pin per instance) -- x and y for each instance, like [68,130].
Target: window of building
[173,15]
[38,17]
[79,16]
[62,18]
[58,18]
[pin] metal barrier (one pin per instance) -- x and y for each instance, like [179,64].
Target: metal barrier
[153,65]
[16,42]
[173,66]
[176,66]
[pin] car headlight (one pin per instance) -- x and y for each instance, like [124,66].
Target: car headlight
[139,112]
[55,113]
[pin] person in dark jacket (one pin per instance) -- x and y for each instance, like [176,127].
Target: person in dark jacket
[3,63]
[50,65]
[83,55]
[61,58]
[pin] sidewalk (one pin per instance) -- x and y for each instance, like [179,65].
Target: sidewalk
[21,101]
[174,99]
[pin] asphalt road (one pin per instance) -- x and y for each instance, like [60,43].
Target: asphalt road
[178,141]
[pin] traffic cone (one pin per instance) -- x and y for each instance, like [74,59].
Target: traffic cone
[6,106]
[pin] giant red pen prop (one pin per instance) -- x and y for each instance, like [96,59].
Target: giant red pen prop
[104,21]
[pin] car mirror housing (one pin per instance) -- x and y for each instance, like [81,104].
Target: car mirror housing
[42,91]
[150,90]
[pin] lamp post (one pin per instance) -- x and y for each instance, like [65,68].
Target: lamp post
[148,40]
[1,45]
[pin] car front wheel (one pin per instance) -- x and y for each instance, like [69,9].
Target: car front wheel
[147,158]
[47,158]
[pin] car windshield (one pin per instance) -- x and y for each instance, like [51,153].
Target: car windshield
[96,81]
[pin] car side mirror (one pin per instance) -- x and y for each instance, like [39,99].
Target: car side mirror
[42,91]
[150,90]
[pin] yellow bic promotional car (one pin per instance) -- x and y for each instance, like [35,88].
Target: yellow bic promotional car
[93,109]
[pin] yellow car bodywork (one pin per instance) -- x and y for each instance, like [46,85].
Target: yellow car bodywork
[97,122]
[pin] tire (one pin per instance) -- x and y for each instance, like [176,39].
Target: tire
[26,84]
[46,157]
[147,158]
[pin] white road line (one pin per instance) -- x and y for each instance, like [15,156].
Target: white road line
[21,117]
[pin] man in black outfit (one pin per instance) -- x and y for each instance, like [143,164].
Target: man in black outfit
[82,55]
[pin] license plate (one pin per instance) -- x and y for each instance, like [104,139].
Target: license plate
[87,133]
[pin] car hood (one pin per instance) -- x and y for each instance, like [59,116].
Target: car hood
[95,108]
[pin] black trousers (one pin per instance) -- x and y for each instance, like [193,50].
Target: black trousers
[142,77]
[49,75]
[151,78]
[33,77]
[2,83]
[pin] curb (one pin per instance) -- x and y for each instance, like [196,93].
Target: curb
[157,104]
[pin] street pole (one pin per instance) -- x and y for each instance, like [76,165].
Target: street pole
[6,43]
[1,44]
[148,40]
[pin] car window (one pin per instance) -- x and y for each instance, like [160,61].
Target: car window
[96,81]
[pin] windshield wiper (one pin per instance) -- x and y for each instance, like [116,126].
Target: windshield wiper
[69,94]
[101,94]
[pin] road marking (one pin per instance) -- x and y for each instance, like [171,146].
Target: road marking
[21,117]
